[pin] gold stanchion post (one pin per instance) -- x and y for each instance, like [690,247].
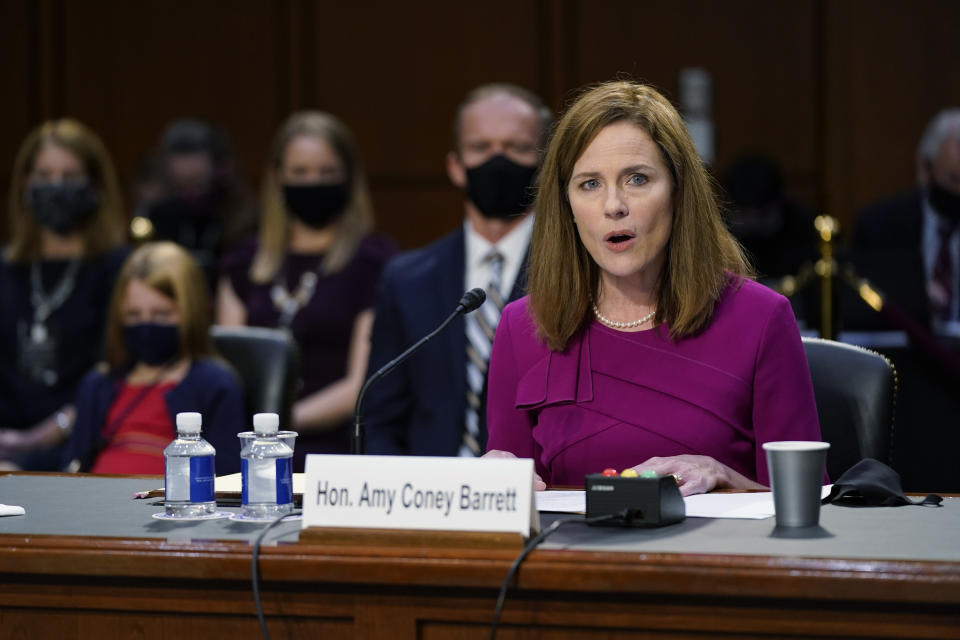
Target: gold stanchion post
[826,267]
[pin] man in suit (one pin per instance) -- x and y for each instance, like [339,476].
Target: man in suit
[909,245]
[432,404]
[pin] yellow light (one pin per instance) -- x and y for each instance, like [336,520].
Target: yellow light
[827,227]
[141,228]
[870,296]
[824,268]
[788,286]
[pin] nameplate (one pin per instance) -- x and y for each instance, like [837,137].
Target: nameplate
[406,492]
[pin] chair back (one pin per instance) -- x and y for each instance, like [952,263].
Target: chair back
[267,362]
[856,392]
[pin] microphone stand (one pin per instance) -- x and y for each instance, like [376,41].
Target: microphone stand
[470,301]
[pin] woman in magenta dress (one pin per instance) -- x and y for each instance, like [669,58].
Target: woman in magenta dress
[642,343]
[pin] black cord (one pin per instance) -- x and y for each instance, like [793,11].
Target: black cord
[255,570]
[530,546]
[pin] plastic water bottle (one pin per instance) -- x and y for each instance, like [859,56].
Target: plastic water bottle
[267,466]
[188,465]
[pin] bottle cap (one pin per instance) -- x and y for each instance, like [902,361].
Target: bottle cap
[266,423]
[189,422]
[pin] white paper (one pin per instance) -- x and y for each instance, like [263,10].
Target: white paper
[233,483]
[757,505]
[11,510]
[562,501]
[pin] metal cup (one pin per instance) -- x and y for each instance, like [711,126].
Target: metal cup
[796,476]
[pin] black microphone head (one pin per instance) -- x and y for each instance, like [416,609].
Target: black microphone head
[472,299]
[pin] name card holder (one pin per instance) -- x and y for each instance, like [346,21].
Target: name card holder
[425,502]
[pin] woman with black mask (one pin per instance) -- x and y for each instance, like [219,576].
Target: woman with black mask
[159,363]
[314,269]
[67,243]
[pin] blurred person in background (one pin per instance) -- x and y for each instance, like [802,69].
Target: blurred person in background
[909,244]
[192,195]
[159,363]
[313,269]
[67,225]
[777,233]
[433,403]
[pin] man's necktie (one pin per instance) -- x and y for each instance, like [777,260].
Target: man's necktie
[481,326]
[943,276]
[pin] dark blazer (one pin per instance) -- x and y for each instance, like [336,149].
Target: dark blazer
[887,250]
[208,388]
[419,408]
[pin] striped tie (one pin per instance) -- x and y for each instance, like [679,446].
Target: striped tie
[481,326]
[942,277]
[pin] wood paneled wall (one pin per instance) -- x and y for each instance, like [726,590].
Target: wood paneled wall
[838,92]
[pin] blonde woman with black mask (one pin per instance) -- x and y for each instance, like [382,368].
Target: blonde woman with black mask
[66,230]
[314,269]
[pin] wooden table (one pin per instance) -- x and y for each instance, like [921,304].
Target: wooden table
[128,587]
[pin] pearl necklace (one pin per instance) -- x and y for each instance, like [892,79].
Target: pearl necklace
[621,325]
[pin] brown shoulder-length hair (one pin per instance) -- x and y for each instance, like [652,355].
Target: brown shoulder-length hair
[172,271]
[106,228]
[349,229]
[564,279]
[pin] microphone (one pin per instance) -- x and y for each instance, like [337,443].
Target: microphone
[470,301]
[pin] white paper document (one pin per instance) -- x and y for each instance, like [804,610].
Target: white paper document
[561,501]
[756,505]
[11,510]
[233,483]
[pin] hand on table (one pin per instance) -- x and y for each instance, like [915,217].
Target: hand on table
[538,482]
[698,474]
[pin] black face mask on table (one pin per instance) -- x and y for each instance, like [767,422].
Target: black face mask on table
[946,203]
[316,205]
[62,208]
[152,343]
[501,188]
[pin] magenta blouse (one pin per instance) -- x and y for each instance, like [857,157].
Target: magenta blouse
[615,398]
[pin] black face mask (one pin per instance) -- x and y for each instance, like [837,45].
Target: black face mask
[151,343]
[501,188]
[317,205]
[62,208]
[946,203]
